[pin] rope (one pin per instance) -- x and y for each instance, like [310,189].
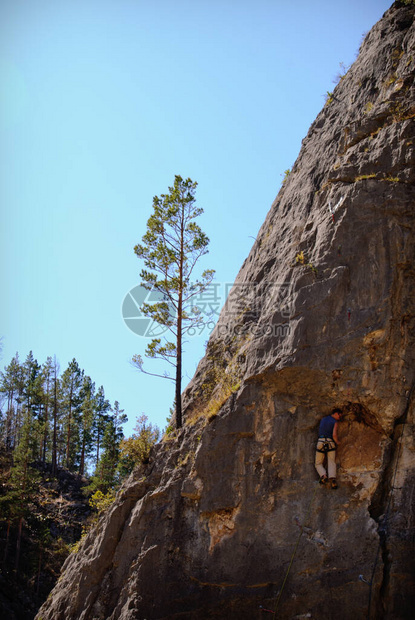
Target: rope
[293,554]
[370,583]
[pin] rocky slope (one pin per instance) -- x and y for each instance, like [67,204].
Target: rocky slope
[227,519]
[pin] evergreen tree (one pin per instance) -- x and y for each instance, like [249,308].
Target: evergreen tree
[104,478]
[23,479]
[55,420]
[55,413]
[102,418]
[32,391]
[119,418]
[47,374]
[88,411]
[68,422]
[114,438]
[11,385]
[71,402]
[171,247]
[107,475]
[33,398]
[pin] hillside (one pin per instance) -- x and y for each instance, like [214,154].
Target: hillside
[55,515]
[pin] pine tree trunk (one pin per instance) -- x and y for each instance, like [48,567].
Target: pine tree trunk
[45,434]
[68,437]
[179,376]
[98,446]
[17,426]
[18,544]
[55,423]
[6,547]
[68,440]
[179,332]
[82,459]
[8,439]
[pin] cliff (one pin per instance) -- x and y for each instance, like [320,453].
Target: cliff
[227,520]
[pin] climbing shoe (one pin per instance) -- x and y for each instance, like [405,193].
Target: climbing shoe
[323,480]
[333,483]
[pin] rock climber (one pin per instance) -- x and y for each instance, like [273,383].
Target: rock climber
[326,445]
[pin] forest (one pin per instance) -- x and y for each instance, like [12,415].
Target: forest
[63,455]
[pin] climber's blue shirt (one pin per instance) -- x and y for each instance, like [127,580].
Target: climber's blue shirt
[326,427]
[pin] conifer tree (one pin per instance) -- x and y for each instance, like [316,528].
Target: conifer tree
[170,249]
[32,384]
[23,479]
[88,411]
[104,478]
[115,434]
[106,475]
[47,373]
[72,379]
[102,418]
[12,384]
[55,413]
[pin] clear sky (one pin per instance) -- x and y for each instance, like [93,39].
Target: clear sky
[102,103]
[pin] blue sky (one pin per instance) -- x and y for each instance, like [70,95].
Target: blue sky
[101,104]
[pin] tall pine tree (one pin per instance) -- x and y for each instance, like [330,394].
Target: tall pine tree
[72,379]
[170,249]
[12,385]
[88,412]
[102,418]
[47,374]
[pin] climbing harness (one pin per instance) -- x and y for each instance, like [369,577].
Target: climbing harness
[293,554]
[326,446]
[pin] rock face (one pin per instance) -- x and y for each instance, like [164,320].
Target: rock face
[227,520]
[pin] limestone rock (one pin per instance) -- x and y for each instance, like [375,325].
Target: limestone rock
[321,315]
